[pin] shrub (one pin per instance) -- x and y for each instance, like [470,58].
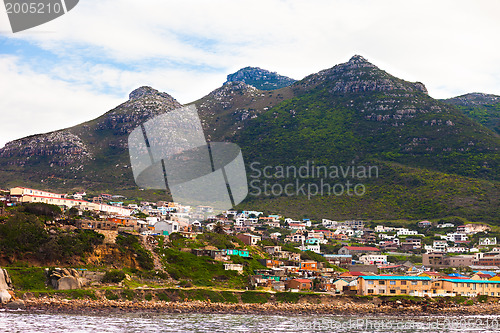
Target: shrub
[254,297]
[111,296]
[482,298]
[131,243]
[113,276]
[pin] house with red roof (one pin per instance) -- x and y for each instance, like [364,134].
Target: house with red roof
[300,284]
[350,250]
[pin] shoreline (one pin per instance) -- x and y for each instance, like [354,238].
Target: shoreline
[55,305]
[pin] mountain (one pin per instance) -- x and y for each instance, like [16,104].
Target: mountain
[355,112]
[432,161]
[260,78]
[91,155]
[484,108]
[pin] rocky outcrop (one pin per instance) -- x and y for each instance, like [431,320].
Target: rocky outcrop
[260,78]
[60,148]
[359,75]
[474,99]
[64,279]
[5,286]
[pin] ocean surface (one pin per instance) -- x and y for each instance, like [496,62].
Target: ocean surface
[22,321]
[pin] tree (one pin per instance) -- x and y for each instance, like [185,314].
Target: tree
[219,228]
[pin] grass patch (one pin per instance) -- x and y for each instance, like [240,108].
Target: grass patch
[28,278]
[254,297]
[111,296]
[229,297]
[288,297]
[128,294]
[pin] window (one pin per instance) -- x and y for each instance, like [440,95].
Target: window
[381,282]
[403,291]
[370,291]
[403,283]
[393,291]
[392,283]
[414,283]
[381,291]
[425,283]
[370,281]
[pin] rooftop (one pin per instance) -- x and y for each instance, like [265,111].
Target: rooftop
[395,277]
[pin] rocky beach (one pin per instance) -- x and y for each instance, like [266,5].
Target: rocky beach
[344,306]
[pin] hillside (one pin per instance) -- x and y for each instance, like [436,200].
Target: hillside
[483,108]
[90,155]
[432,160]
[357,112]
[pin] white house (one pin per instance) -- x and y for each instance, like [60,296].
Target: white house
[456,237]
[373,259]
[487,241]
[310,247]
[167,227]
[406,232]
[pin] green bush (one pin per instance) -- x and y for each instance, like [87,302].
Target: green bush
[254,297]
[128,294]
[482,298]
[163,297]
[42,209]
[288,297]
[111,296]
[130,243]
[229,297]
[113,276]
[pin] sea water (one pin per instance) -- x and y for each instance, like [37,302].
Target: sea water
[24,321]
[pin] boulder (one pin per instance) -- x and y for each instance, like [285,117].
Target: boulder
[17,304]
[5,296]
[74,272]
[68,282]
[4,286]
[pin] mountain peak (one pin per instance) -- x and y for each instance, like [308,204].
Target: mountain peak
[357,59]
[142,91]
[147,91]
[360,75]
[260,78]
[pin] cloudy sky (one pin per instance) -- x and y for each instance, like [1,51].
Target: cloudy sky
[82,64]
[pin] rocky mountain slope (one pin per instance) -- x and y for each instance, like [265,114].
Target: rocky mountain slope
[484,108]
[260,78]
[434,160]
[86,155]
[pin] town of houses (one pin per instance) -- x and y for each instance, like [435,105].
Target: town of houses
[375,259]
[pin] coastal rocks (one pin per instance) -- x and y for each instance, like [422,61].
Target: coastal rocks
[64,279]
[278,308]
[15,305]
[5,284]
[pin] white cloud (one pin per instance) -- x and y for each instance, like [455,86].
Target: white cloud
[187,47]
[33,103]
